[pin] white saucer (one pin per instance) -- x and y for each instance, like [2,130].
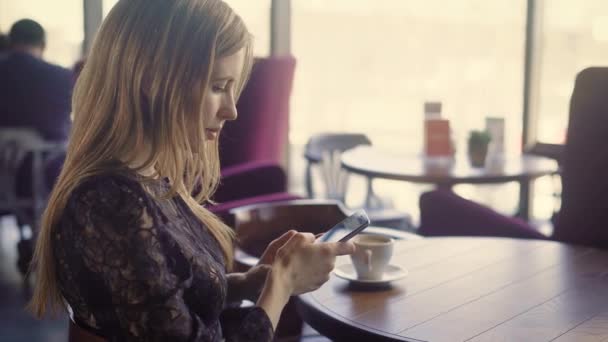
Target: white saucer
[391,273]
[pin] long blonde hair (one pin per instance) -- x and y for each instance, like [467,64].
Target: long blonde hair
[143,86]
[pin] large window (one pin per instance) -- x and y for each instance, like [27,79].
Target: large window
[256,15]
[573,36]
[369,65]
[62,20]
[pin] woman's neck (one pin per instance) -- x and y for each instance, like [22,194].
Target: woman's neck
[136,163]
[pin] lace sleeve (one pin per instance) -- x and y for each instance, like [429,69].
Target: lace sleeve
[246,324]
[129,276]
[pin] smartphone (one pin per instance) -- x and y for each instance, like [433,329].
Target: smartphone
[347,228]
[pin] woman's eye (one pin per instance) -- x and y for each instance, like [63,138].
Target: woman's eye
[218,89]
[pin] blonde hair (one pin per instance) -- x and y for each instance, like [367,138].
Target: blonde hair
[143,86]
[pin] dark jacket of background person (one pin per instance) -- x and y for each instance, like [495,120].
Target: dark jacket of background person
[3,42]
[35,94]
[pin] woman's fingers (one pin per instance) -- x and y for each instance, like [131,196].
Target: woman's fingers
[281,240]
[340,248]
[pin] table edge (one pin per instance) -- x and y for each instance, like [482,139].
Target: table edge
[334,326]
[429,179]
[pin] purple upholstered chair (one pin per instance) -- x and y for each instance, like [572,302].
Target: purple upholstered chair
[443,213]
[583,217]
[260,132]
[252,147]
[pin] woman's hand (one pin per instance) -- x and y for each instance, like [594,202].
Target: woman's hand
[249,285]
[306,265]
[299,266]
[269,254]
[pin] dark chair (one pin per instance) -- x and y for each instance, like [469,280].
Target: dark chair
[258,224]
[552,151]
[14,147]
[583,218]
[444,213]
[555,152]
[24,153]
[323,152]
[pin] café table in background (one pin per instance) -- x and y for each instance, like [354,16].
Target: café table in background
[375,162]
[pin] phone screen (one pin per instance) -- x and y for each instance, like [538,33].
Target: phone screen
[347,228]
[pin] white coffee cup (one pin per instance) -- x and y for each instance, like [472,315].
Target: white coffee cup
[372,255]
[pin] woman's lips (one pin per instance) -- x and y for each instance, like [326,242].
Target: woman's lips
[212,133]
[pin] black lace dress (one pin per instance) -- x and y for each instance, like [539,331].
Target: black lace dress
[133,267]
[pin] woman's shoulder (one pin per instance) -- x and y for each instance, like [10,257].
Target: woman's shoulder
[109,194]
[109,184]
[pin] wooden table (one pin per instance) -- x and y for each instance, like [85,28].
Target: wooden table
[375,162]
[473,289]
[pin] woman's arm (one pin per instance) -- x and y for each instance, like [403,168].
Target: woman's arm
[275,294]
[247,285]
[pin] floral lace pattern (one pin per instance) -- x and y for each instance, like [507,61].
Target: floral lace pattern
[134,267]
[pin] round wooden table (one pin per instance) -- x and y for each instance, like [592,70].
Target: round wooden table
[472,289]
[375,162]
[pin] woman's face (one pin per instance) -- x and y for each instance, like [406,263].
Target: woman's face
[219,105]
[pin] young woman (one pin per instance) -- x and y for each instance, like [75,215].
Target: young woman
[124,246]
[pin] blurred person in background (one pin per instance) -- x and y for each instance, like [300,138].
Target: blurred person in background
[33,93]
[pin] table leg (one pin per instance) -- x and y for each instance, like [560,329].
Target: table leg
[445,187]
[525,192]
[37,191]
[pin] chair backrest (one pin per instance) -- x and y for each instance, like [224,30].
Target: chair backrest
[15,143]
[553,151]
[320,143]
[257,225]
[260,132]
[583,217]
[325,149]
